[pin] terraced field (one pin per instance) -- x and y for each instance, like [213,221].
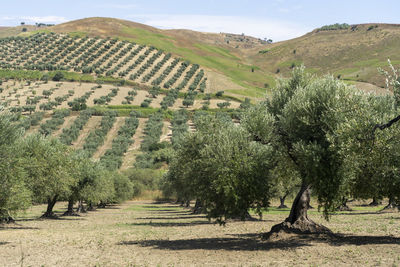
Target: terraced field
[145,65]
[112,123]
[113,99]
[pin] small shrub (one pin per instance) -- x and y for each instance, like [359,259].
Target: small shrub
[219,93]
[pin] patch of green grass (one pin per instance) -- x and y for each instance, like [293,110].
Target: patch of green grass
[216,50]
[369,63]
[258,92]
[290,63]
[27,34]
[21,74]
[143,36]
[77,34]
[73,76]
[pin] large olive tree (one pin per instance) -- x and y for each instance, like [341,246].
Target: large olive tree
[327,130]
[48,167]
[223,169]
[14,193]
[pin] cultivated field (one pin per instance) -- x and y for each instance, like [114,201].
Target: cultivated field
[37,102]
[144,233]
[100,57]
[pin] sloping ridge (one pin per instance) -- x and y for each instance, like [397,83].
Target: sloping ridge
[248,67]
[354,53]
[100,26]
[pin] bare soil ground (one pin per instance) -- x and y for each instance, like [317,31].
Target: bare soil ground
[145,233]
[68,121]
[133,150]
[92,124]
[166,132]
[18,92]
[35,129]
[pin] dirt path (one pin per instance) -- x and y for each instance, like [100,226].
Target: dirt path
[192,126]
[67,123]
[109,138]
[167,132]
[35,129]
[92,124]
[146,233]
[133,150]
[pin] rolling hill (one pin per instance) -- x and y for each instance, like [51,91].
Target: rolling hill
[127,87]
[246,66]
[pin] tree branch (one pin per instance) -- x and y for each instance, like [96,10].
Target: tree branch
[386,125]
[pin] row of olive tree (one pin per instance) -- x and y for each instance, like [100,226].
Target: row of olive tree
[318,133]
[36,169]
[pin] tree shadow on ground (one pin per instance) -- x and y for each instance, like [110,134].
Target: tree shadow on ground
[171,211]
[169,207]
[344,239]
[248,242]
[57,218]
[183,217]
[60,218]
[227,243]
[169,224]
[18,227]
[110,207]
[4,243]
[380,212]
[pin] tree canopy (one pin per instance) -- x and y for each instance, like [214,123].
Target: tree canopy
[319,127]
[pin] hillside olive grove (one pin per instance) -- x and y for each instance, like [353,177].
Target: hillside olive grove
[37,169]
[316,134]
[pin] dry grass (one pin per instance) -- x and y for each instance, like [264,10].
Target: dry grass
[145,233]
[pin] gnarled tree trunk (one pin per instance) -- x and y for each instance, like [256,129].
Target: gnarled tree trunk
[282,200]
[90,206]
[50,205]
[343,205]
[375,202]
[298,221]
[5,217]
[198,207]
[187,204]
[70,210]
[391,205]
[80,207]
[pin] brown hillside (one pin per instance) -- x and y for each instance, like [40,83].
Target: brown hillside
[353,53]
[244,66]
[98,26]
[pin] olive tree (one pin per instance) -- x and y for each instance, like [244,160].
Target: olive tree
[14,193]
[223,169]
[371,143]
[306,113]
[48,167]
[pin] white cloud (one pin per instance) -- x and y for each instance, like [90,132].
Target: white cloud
[257,27]
[7,18]
[15,20]
[45,19]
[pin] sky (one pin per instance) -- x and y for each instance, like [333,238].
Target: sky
[273,19]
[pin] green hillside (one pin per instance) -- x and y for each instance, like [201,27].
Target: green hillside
[246,66]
